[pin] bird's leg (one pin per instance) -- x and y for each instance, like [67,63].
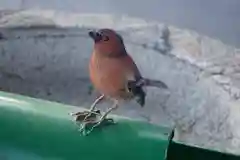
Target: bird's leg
[114,107]
[97,123]
[104,116]
[93,106]
[82,116]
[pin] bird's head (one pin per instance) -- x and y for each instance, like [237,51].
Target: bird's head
[107,42]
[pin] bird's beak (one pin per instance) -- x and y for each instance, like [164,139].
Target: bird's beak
[95,35]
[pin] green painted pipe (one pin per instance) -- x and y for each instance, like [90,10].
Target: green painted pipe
[33,129]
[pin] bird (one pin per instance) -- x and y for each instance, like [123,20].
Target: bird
[114,73]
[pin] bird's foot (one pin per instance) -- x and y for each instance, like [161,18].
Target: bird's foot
[86,115]
[88,126]
[89,120]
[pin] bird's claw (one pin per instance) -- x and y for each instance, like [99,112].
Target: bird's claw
[89,120]
[88,126]
[86,115]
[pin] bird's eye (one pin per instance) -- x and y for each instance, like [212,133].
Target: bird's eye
[105,38]
[98,34]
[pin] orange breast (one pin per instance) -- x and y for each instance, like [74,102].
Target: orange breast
[108,76]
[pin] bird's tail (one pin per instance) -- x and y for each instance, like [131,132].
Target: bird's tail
[154,83]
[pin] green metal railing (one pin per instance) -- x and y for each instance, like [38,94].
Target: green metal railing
[34,129]
[31,128]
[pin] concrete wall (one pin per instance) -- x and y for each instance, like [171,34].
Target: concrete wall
[215,18]
[202,73]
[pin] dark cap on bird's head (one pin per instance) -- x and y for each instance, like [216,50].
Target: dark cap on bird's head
[105,34]
[108,42]
[98,36]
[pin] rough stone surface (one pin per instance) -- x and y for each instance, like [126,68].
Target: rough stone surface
[202,74]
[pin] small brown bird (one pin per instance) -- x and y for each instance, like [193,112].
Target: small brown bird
[113,72]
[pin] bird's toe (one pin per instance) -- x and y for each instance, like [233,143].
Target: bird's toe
[86,115]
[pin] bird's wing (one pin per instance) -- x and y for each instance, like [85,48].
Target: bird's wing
[133,77]
[131,68]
